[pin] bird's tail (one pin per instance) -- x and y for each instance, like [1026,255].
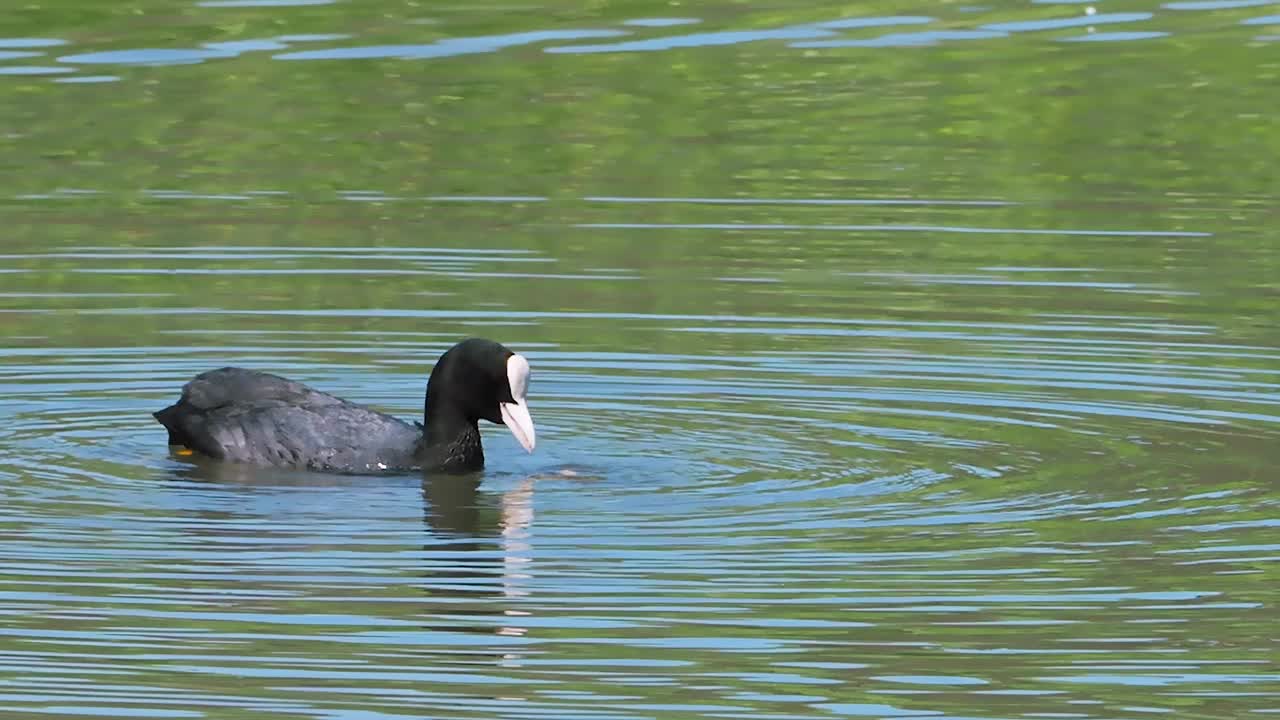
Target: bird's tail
[168,417]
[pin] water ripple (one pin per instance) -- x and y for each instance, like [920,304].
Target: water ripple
[889,228]
[450,47]
[907,448]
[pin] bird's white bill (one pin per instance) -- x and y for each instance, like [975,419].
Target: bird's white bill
[516,414]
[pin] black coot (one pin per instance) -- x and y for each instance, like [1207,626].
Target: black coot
[251,417]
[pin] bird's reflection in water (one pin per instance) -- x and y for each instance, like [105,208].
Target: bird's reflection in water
[476,545]
[488,544]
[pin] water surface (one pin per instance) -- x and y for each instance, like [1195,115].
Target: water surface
[885,364]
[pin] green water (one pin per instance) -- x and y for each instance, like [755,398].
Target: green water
[885,364]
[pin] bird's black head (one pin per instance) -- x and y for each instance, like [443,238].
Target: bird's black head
[478,379]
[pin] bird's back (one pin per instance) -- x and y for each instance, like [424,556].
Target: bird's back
[254,417]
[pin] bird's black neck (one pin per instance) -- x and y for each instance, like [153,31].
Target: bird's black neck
[450,442]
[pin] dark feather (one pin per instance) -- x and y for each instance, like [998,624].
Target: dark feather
[253,417]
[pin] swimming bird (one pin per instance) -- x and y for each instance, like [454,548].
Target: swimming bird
[246,416]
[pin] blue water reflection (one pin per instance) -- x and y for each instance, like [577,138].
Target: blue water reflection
[447,48]
[815,35]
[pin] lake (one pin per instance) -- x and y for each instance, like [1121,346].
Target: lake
[887,362]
